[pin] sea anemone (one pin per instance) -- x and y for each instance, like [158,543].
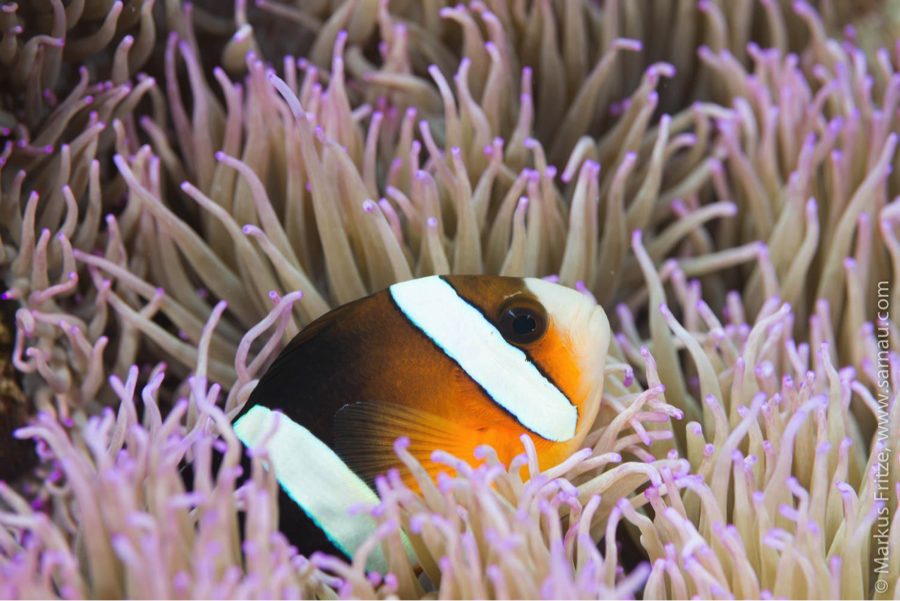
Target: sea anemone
[181,195]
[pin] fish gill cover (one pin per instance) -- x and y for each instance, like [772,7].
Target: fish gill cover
[719,175]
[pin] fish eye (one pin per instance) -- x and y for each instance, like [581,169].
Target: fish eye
[522,324]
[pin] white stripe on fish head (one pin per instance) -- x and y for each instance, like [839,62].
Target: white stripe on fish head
[501,369]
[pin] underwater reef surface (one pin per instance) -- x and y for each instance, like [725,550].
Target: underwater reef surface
[184,186]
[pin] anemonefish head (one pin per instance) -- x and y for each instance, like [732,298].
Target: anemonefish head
[536,348]
[572,351]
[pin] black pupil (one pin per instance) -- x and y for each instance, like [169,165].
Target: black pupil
[524,324]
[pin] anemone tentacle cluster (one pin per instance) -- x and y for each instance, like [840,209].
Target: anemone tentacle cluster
[180,195]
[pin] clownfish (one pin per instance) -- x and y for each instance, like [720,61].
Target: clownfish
[449,362]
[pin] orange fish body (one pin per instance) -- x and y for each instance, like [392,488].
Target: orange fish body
[450,362]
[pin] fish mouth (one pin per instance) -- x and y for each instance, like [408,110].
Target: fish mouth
[594,362]
[593,335]
[598,331]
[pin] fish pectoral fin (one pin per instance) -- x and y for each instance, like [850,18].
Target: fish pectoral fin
[364,435]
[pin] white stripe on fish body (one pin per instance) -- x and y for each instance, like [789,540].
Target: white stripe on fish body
[316,479]
[501,369]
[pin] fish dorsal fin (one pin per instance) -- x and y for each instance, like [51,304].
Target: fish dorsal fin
[317,328]
[364,435]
